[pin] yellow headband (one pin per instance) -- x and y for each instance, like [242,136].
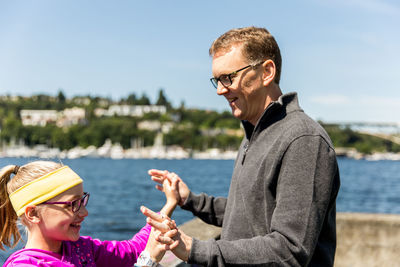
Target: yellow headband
[44,188]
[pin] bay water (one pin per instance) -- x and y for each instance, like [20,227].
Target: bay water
[119,187]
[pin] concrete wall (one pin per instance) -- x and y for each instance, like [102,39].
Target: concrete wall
[363,239]
[367,240]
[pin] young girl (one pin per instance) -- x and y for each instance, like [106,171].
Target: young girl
[48,199]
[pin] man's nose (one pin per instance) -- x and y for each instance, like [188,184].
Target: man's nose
[221,89]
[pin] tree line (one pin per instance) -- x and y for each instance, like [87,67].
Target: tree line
[189,130]
[189,124]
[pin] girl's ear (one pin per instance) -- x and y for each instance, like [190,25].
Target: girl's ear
[31,214]
[269,71]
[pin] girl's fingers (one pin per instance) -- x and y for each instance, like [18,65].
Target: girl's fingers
[162,227]
[170,223]
[153,215]
[156,179]
[160,188]
[154,171]
[173,224]
[157,173]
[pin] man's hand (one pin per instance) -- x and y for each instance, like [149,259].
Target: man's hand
[180,249]
[161,236]
[177,188]
[158,243]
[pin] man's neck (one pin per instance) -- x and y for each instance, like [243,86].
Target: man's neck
[274,92]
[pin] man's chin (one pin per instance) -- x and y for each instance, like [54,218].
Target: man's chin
[236,113]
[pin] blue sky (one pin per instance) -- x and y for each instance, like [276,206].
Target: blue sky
[341,56]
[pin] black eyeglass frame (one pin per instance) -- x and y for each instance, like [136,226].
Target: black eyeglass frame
[75,208]
[215,81]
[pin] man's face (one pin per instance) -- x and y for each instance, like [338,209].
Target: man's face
[246,95]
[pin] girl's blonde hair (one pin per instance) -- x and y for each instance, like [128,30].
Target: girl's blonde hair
[9,235]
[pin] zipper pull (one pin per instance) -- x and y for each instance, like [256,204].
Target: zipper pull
[246,147]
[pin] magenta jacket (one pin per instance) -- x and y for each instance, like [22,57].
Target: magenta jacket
[85,252]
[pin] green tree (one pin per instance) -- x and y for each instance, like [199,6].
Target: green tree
[162,100]
[131,100]
[61,100]
[143,100]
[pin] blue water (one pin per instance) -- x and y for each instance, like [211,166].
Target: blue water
[119,187]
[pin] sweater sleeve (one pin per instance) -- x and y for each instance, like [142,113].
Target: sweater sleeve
[305,192]
[121,253]
[209,209]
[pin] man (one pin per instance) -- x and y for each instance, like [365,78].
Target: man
[281,206]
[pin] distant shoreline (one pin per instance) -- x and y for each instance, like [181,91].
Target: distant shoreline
[115,151]
[354,154]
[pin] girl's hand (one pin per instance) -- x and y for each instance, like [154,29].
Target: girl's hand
[170,190]
[175,189]
[158,220]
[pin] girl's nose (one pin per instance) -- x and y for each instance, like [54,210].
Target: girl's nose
[83,212]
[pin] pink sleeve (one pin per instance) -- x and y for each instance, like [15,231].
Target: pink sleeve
[121,253]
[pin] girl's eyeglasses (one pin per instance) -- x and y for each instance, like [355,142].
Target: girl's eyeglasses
[76,204]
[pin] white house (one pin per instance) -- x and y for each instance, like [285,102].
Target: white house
[38,117]
[64,118]
[71,116]
[130,110]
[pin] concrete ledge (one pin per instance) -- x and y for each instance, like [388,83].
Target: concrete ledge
[367,240]
[363,239]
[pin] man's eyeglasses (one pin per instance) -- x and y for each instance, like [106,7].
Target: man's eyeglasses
[226,79]
[76,204]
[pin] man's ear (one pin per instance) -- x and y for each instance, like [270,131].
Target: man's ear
[31,214]
[269,71]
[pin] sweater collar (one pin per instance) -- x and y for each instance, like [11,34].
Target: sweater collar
[276,110]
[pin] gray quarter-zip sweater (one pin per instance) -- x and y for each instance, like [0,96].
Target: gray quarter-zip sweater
[281,207]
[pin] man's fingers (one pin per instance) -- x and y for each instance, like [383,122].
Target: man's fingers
[173,245]
[173,178]
[174,184]
[171,233]
[169,243]
[166,238]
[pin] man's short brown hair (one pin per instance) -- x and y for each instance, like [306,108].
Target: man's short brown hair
[258,45]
